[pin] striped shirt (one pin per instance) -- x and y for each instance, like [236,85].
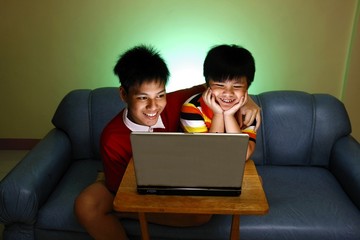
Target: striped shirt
[196,116]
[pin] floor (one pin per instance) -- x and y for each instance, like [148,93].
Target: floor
[8,160]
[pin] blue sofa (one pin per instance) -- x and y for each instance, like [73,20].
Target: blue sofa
[309,163]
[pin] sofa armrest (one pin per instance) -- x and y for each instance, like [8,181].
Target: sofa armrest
[345,165]
[28,185]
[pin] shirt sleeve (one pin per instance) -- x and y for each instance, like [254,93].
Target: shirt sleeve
[250,130]
[114,166]
[191,117]
[116,152]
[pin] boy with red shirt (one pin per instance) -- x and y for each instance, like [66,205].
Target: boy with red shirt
[115,141]
[143,75]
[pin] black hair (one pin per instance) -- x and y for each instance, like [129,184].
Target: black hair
[141,64]
[225,62]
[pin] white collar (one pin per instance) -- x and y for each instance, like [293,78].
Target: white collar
[134,127]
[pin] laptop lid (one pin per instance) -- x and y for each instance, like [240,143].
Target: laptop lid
[189,163]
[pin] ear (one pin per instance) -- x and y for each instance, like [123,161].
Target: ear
[123,94]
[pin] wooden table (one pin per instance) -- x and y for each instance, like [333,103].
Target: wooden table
[252,201]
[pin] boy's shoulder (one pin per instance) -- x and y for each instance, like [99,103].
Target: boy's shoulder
[116,126]
[194,99]
[184,94]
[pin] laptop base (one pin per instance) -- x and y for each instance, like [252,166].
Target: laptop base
[186,191]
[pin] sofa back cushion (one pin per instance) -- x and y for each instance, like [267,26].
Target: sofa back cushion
[83,114]
[299,128]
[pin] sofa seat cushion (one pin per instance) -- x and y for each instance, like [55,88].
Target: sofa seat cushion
[57,213]
[305,203]
[56,217]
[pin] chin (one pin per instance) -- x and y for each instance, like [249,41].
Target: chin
[225,108]
[150,124]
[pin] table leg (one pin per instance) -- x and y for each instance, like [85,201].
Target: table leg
[235,227]
[144,226]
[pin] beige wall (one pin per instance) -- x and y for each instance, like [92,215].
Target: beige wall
[351,95]
[48,48]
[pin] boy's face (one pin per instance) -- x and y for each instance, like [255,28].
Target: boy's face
[228,93]
[145,102]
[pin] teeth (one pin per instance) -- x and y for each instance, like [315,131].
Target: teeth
[227,100]
[150,114]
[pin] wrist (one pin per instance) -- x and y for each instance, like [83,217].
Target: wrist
[229,113]
[218,117]
[229,117]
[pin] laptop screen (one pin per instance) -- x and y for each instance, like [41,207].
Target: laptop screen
[189,163]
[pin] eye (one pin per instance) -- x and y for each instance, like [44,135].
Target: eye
[162,95]
[218,85]
[238,86]
[142,98]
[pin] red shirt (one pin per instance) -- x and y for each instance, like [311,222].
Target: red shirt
[115,143]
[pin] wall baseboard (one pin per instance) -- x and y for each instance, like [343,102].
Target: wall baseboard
[17,143]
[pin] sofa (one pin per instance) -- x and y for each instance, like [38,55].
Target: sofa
[305,154]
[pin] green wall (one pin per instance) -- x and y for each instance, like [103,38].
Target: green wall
[51,47]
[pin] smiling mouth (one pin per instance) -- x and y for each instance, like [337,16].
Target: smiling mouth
[150,115]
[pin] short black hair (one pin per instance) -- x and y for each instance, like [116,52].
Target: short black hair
[225,62]
[141,64]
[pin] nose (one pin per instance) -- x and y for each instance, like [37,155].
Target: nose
[228,90]
[151,104]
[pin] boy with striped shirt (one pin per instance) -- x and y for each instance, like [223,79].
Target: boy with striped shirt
[229,71]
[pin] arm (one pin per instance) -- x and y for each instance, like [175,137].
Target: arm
[345,165]
[30,183]
[115,161]
[217,121]
[115,150]
[191,119]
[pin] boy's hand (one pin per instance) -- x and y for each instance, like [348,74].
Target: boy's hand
[251,111]
[210,101]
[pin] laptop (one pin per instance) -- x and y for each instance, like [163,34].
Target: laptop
[202,164]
